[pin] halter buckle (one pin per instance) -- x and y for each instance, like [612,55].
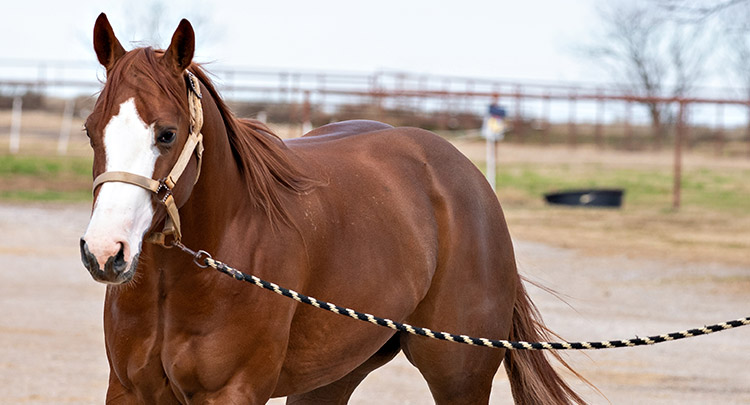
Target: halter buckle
[163,186]
[193,85]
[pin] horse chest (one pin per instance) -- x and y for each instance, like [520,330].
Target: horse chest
[157,351]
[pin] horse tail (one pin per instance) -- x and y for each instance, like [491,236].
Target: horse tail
[532,378]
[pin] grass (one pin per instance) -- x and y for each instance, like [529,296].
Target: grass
[46,195]
[711,226]
[51,178]
[49,166]
[45,178]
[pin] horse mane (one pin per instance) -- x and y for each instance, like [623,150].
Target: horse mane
[267,165]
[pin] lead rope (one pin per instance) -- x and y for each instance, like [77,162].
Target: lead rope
[203,260]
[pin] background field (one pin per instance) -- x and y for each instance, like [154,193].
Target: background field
[713,224]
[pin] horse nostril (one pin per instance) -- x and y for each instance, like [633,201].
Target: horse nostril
[88,259]
[119,263]
[84,250]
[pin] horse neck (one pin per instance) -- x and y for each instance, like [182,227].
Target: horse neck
[221,215]
[204,216]
[218,197]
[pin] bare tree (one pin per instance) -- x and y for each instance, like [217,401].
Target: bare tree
[733,18]
[697,10]
[152,25]
[629,49]
[146,26]
[652,55]
[737,34]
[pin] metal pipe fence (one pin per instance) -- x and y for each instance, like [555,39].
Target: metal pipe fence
[543,113]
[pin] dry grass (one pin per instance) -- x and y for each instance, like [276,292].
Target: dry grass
[687,236]
[710,227]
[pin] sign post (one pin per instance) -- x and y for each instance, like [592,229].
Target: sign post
[493,130]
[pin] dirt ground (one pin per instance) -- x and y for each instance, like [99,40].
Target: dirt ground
[51,343]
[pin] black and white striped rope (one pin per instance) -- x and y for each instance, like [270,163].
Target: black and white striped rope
[208,261]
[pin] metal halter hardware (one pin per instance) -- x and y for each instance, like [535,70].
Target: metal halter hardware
[162,188]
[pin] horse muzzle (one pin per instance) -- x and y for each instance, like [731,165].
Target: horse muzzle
[115,269]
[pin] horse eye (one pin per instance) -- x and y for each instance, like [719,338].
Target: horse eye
[166,137]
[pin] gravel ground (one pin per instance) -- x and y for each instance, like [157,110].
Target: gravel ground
[51,343]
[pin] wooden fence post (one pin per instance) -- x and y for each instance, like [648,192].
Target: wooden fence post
[67,121]
[15,125]
[678,140]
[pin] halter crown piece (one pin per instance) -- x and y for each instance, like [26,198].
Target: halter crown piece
[162,188]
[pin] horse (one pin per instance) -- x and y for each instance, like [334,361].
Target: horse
[392,221]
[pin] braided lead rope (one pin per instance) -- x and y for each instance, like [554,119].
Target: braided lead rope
[208,261]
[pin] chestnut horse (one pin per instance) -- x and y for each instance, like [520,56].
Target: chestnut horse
[392,221]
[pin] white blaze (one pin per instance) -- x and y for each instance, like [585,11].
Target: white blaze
[123,212]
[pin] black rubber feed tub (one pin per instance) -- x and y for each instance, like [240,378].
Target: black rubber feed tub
[590,197]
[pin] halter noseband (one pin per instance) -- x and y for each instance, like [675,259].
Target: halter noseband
[162,188]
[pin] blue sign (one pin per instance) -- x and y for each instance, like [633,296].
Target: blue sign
[497,111]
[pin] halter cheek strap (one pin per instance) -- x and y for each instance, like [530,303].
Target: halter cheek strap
[162,189]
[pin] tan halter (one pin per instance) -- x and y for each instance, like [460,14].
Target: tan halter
[162,188]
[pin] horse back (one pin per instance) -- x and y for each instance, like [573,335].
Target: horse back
[400,192]
[345,128]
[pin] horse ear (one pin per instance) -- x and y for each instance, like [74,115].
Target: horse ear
[107,47]
[179,55]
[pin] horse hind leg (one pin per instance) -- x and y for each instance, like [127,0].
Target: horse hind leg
[471,293]
[455,374]
[339,392]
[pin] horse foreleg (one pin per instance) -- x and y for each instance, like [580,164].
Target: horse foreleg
[118,394]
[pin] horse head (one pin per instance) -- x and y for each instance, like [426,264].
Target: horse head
[139,128]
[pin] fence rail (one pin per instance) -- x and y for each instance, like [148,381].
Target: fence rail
[537,112]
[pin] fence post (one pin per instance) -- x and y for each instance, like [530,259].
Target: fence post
[598,130]
[62,143]
[15,125]
[518,120]
[719,130]
[546,119]
[306,120]
[678,139]
[492,162]
[628,127]
[572,132]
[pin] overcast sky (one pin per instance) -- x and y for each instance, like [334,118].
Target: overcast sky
[531,39]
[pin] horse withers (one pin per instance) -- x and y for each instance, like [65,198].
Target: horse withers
[391,221]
